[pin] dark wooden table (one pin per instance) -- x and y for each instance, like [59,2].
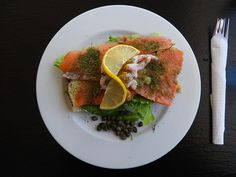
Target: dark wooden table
[26,146]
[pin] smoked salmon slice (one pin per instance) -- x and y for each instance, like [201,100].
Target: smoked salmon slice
[84,93]
[164,75]
[69,61]
[147,44]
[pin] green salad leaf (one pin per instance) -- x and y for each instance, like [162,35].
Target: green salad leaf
[154,34]
[116,39]
[131,36]
[58,61]
[113,39]
[138,109]
[134,36]
[94,109]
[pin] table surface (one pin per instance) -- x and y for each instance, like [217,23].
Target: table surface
[26,146]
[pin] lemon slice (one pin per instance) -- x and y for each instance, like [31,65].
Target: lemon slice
[113,60]
[115,57]
[114,96]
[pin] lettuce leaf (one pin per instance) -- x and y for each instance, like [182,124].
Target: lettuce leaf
[113,39]
[116,39]
[94,109]
[134,36]
[138,109]
[154,34]
[131,36]
[58,61]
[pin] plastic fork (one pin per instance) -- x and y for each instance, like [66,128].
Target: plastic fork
[222,28]
[219,48]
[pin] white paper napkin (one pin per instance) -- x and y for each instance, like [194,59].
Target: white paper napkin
[219,47]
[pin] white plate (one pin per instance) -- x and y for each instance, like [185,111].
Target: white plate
[78,136]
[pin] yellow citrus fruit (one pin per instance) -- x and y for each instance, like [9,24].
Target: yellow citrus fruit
[113,60]
[115,57]
[114,96]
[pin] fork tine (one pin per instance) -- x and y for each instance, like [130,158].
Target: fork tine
[221,26]
[227,29]
[216,28]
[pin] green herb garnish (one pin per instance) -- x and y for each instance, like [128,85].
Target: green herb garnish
[154,70]
[58,61]
[88,65]
[149,46]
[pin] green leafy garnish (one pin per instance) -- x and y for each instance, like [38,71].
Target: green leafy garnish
[113,39]
[155,70]
[89,64]
[116,39]
[94,109]
[131,36]
[58,61]
[150,46]
[134,36]
[154,34]
[138,109]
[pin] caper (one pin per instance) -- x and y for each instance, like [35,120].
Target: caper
[118,128]
[131,123]
[109,127]
[128,126]
[105,127]
[142,72]
[140,124]
[126,122]
[121,128]
[123,137]
[130,129]
[113,127]
[114,118]
[94,118]
[117,133]
[147,80]
[119,118]
[102,125]
[127,134]
[104,118]
[99,128]
[135,130]
[121,123]
[140,83]
[126,130]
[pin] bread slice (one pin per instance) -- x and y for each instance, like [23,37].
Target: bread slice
[84,92]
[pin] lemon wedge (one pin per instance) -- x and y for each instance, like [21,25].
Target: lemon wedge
[114,96]
[115,57]
[113,60]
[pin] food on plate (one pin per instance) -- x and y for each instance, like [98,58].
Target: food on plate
[112,62]
[121,79]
